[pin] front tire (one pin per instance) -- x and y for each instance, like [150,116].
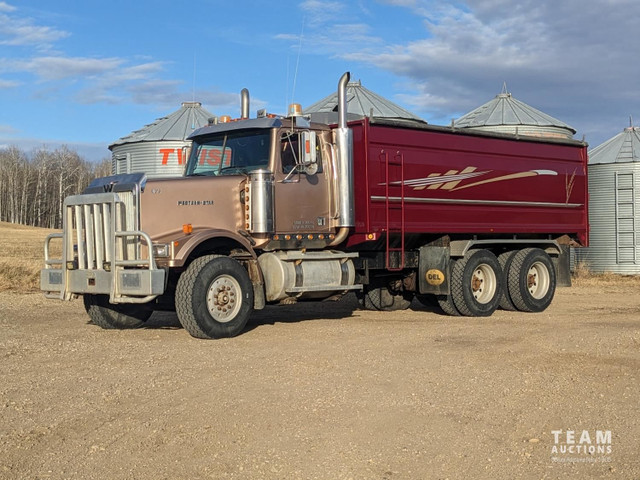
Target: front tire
[214,297]
[532,280]
[112,316]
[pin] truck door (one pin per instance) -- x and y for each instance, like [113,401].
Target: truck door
[301,194]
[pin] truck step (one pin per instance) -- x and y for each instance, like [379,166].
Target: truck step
[324,288]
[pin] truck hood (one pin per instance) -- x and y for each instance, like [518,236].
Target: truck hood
[204,202]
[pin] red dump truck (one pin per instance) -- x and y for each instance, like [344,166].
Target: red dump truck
[279,209]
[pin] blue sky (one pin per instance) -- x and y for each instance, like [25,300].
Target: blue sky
[85,73]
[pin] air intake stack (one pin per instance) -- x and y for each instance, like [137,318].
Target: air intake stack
[344,141]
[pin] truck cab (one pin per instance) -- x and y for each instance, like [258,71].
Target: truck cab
[287,162]
[255,217]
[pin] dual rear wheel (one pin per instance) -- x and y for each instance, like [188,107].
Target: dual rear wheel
[521,280]
[383,299]
[531,280]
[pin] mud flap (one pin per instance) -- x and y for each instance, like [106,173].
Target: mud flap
[562,263]
[433,270]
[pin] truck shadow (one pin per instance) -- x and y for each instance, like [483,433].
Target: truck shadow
[163,321]
[272,314]
[304,311]
[298,312]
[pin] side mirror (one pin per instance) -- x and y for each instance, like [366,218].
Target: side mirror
[308,155]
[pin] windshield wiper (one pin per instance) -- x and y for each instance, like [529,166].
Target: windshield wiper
[224,147]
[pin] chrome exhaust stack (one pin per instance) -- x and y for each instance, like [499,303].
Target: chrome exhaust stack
[244,104]
[343,138]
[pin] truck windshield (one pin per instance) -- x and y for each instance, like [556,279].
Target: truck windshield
[230,153]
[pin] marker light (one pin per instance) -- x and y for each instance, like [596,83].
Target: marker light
[295,110]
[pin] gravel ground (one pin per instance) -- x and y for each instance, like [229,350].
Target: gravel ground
[324,391]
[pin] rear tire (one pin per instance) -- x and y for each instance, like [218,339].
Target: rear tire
[476,284]
[381,298]
[427,299]
[446,304]
[532,280]
[214,297]
[120,316]
[505,259]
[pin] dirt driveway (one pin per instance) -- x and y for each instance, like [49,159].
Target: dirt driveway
[325,391]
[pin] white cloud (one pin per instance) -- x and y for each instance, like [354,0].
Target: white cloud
[8,83]
[399,3]
[93,152]
[7,130]
[569,59]
[22,31]
[98,80]
[5,7]
[111,80]
[58,68]
[167,94]
[329,29]
[136,84]
[320,11]
[572,59]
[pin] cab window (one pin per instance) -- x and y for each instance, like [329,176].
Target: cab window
[290,152]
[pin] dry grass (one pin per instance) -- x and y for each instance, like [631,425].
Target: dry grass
[21,256]
[582,276]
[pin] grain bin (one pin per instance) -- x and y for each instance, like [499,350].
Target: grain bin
[361,102]
[505,114]
[159,149]
[614,205]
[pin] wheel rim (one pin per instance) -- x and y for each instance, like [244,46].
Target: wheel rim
[224,299]
[483,283]
[538,280]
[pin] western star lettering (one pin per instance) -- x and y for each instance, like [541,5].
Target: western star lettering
[188,203]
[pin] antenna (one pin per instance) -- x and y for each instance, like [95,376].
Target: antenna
[193,92]
[286,92]
[193,84]
[295,75]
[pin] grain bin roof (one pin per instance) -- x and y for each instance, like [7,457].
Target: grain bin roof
[506,110]
[175,126]
[361,102]
[623,148]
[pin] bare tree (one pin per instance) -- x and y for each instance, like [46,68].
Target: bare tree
[33,188]
[13,163]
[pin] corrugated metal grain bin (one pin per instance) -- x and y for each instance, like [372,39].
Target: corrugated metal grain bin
[159,149]
[614,206]
[361,102]
[505,114]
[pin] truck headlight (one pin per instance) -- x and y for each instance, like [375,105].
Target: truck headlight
[161,250]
